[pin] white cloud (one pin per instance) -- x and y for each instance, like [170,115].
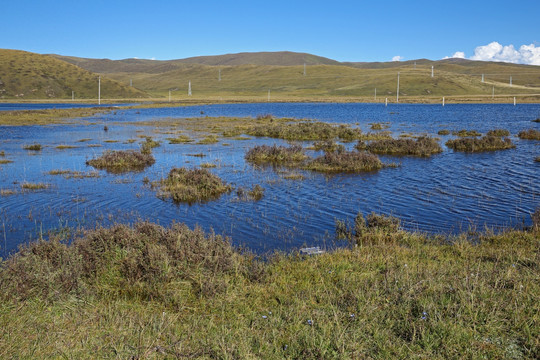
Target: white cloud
[526,54]
[397,58]
[459,55]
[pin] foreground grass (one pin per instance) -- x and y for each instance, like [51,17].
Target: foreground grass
[152,292]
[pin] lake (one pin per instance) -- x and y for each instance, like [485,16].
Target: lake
[445,193]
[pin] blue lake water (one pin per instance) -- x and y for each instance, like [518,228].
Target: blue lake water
[446,193]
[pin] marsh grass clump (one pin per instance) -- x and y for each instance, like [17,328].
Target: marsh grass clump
[537,159]
[346,161]
[466,133]
[2,153]
[63,147]
[275,154]
[536,120]
[148,145]
[498,132]
[122,161]
[312,130]
[181,139]
[379,126]
[443,132]
[327,145]
[33,147]
[256,193]
[423,146]
[486,143]
[368,229]
[209,139]
[70,174]
[7,192]
[191,185]
[208,165]
[530,134]
[5,161]
[34,186]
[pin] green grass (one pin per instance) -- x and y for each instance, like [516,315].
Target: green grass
[64,147]
[486,143]
[122,161]
[191,186]
[422,146]
[209,139]
[530,134]
[152,292]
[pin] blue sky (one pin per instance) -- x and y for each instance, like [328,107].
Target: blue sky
[341,30]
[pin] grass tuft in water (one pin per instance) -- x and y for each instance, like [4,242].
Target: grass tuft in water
[276,154]
[33,147]
[5,161]
[209,139]
[181,139]
[327,145]
[256,193]
[312,130]
[486,143]
[148,145]
[443,132]
[346,161]
[191,185]
[530,134]
[466,133]
[498,132]
[423,146]
[122,161]
[34,186]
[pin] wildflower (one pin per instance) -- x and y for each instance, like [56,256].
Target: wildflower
[351,316]
[310,322]
[424,315]
[265,317]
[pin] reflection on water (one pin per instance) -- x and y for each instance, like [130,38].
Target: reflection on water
[445,193]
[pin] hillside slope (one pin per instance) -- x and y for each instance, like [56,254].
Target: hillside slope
[25,75]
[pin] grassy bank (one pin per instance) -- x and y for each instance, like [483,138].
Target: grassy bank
[47,116]
[152,292]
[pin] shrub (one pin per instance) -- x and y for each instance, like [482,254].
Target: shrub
[486,143]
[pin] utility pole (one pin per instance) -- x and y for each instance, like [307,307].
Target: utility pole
[130,82]
[431,70]
[99,90]
[482,77]
[443,101]
[72,95]
[415,65]
[304,69]
[397,94]
[219,75]
[375,94]
[514,101]
[189,88]
[169,95]
[268,95]
[510,80]
[386,102]
[493,93]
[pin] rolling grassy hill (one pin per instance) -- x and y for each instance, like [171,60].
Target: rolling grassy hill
[25,75]
[249,76]
[253,74]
